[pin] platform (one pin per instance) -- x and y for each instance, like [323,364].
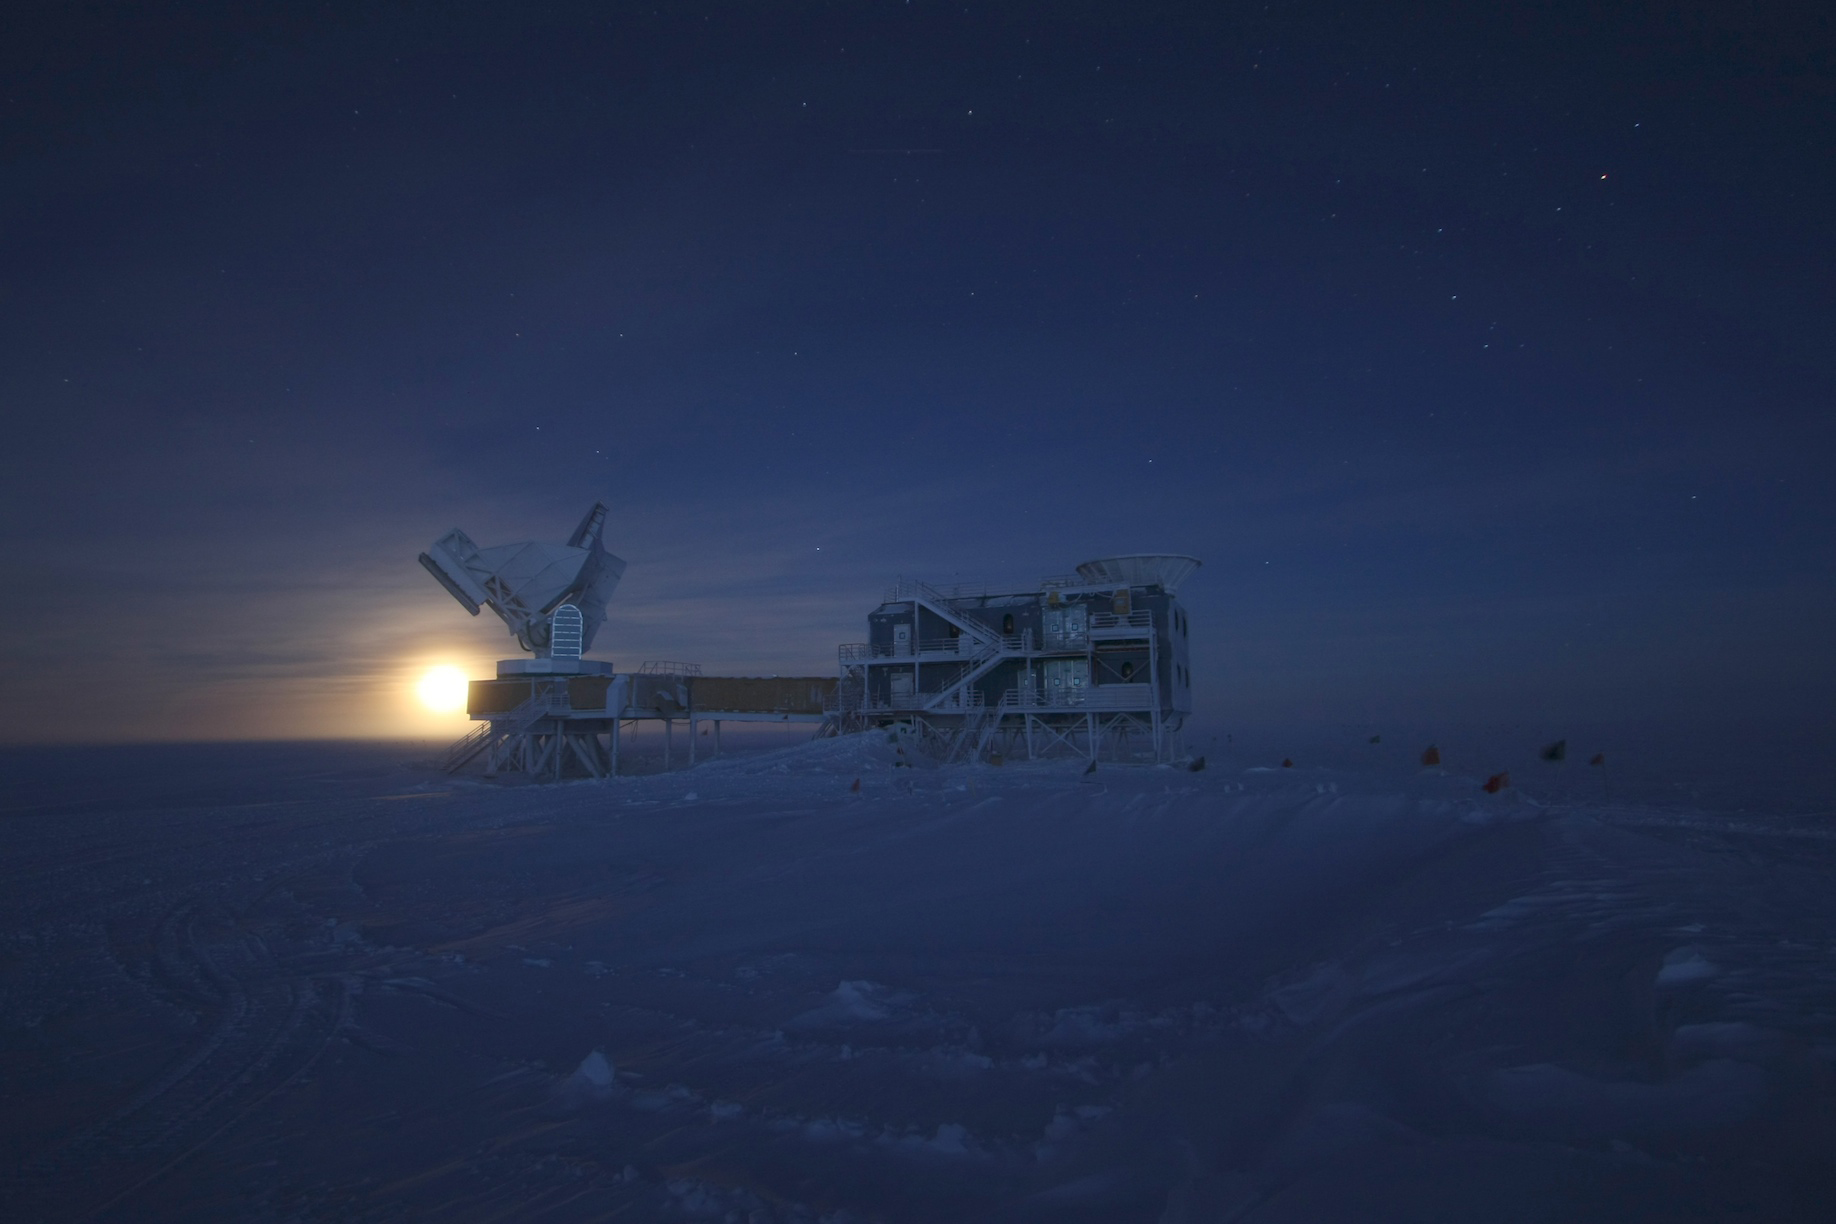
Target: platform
[566,721]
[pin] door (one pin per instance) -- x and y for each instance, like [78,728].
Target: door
[1065,680]
[1067,628]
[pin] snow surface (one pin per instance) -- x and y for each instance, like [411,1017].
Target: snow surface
[303,983]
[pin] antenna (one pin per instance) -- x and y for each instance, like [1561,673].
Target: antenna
[529,584]
[1164,570]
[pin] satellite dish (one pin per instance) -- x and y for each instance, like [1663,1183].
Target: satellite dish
[528,584]
[1164,570]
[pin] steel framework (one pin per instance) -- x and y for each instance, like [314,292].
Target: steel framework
[993,675]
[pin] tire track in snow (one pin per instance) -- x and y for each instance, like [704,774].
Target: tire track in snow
[264,1030]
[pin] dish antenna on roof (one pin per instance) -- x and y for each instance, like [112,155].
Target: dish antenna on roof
[1164,570]
[528,584]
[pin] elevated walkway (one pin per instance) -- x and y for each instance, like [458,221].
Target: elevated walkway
[561,722]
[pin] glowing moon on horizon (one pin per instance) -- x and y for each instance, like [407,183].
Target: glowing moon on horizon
[443,690]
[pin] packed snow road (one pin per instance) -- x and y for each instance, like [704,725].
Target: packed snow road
[754,992]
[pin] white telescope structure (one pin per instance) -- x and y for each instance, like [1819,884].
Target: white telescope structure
[559,714]
[527,584]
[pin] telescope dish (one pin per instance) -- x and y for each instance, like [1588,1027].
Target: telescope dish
[1164,570]
[529,584]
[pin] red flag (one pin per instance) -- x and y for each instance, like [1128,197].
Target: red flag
[1496,783]
[1432,756]
[1599,759]
[1286,763]
[856,788]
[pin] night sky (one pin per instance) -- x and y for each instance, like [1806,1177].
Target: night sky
[1482,352]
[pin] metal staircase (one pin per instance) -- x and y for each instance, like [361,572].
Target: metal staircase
[988,653]
[992,724]
[465,748]
[979,728]
[990,647]
[940,604]
[969,732]
[515,722]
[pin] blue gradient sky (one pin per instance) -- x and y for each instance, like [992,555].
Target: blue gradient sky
[1482,354]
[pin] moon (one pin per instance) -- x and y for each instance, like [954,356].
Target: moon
[443,690]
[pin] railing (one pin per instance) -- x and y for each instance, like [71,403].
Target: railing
[844,699]
[1102,622]
[964,647]
[896,703]
[967,647]
[1055,699]
[992,723]
[669,667]
[1047,700]
[985,655]
[465,748]
[966,697]
[1083,697]
[962,699]
[912,588]
[969,732]
[547,700]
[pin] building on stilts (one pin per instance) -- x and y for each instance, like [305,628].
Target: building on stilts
[558,714]
[1094,664]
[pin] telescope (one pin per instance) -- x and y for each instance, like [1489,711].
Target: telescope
[551,595]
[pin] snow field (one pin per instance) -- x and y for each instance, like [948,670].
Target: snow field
[753,992]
